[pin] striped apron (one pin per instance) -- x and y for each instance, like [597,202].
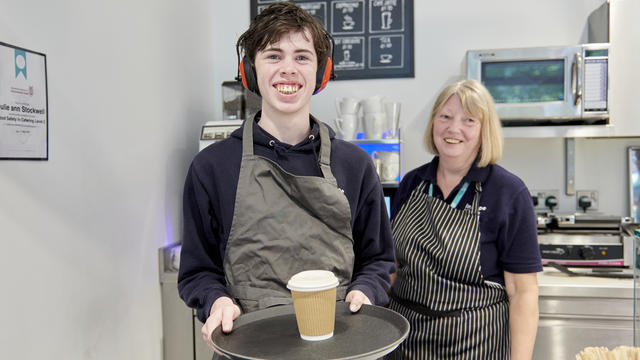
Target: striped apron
[453,312]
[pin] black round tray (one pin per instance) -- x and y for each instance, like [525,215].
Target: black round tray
[273,334]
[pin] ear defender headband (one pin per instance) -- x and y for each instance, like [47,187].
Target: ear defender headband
[247,73]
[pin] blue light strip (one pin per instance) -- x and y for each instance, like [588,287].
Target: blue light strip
[370,148]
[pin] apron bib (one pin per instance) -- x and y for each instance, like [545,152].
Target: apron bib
[453,312]
[283,224]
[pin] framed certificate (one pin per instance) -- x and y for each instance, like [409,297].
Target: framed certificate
[24,113]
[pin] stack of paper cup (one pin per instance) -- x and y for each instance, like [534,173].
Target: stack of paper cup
[375,119]
[314,302]
[348,118]
[346,126]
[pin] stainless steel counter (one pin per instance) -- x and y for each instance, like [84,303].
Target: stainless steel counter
[554,283]
[576,312]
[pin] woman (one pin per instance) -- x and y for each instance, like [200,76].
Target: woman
[466,240]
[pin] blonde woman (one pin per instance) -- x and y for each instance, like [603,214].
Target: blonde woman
[466,240]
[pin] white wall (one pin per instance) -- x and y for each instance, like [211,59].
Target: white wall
[624,35]
[601,164]
[130,83]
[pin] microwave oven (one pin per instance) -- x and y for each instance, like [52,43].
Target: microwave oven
[545,85]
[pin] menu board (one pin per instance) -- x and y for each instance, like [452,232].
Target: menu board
[373,38]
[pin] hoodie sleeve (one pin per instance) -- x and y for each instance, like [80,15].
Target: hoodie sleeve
[201,276]
[373,242]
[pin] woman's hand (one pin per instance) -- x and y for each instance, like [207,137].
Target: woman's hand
[356,298]
[223,311]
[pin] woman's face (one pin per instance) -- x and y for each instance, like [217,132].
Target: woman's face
[456,135]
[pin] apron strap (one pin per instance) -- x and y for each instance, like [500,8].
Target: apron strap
[325,151]
[458,196]
[463,189]
[476,199]
[325,146]
[247,138]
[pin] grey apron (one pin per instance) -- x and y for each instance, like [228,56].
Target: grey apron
[453,312]
[283,224]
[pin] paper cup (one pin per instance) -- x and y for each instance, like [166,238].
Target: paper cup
[314,302]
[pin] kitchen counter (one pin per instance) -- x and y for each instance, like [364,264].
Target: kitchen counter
[552,282]
[581,311]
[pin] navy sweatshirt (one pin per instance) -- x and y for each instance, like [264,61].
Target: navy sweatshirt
[209,197]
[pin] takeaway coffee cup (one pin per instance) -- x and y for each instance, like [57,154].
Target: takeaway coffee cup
[314,302]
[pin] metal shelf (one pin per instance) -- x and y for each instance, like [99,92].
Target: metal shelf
[567,131]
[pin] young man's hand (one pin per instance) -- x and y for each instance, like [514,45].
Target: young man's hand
[223,312]
[356,298]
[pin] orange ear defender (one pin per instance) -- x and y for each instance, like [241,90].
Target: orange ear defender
[323,76]
[247,75]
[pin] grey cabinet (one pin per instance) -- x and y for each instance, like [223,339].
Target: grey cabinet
[202,350]
[181,339]
[579,312]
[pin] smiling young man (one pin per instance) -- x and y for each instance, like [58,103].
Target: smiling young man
[281,195]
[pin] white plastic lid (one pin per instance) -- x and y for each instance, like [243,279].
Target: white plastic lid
[312,280]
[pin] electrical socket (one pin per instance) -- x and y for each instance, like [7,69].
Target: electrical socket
[591,194]
[542,196]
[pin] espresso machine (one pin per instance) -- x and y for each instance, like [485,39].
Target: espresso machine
[238,104]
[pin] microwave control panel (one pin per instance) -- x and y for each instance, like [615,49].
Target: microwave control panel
[596,63]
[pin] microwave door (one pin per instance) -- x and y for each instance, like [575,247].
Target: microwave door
[530,84]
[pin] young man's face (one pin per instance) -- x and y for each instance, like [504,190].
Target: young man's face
[286,72]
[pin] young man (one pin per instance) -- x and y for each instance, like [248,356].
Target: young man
[281,195]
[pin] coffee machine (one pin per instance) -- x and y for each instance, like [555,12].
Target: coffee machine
[238,104]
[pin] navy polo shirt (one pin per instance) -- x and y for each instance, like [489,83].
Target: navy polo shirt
[508,229]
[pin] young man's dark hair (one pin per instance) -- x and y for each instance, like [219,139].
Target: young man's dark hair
[279,19]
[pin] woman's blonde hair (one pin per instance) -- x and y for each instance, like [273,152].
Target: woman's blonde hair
[478,104]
